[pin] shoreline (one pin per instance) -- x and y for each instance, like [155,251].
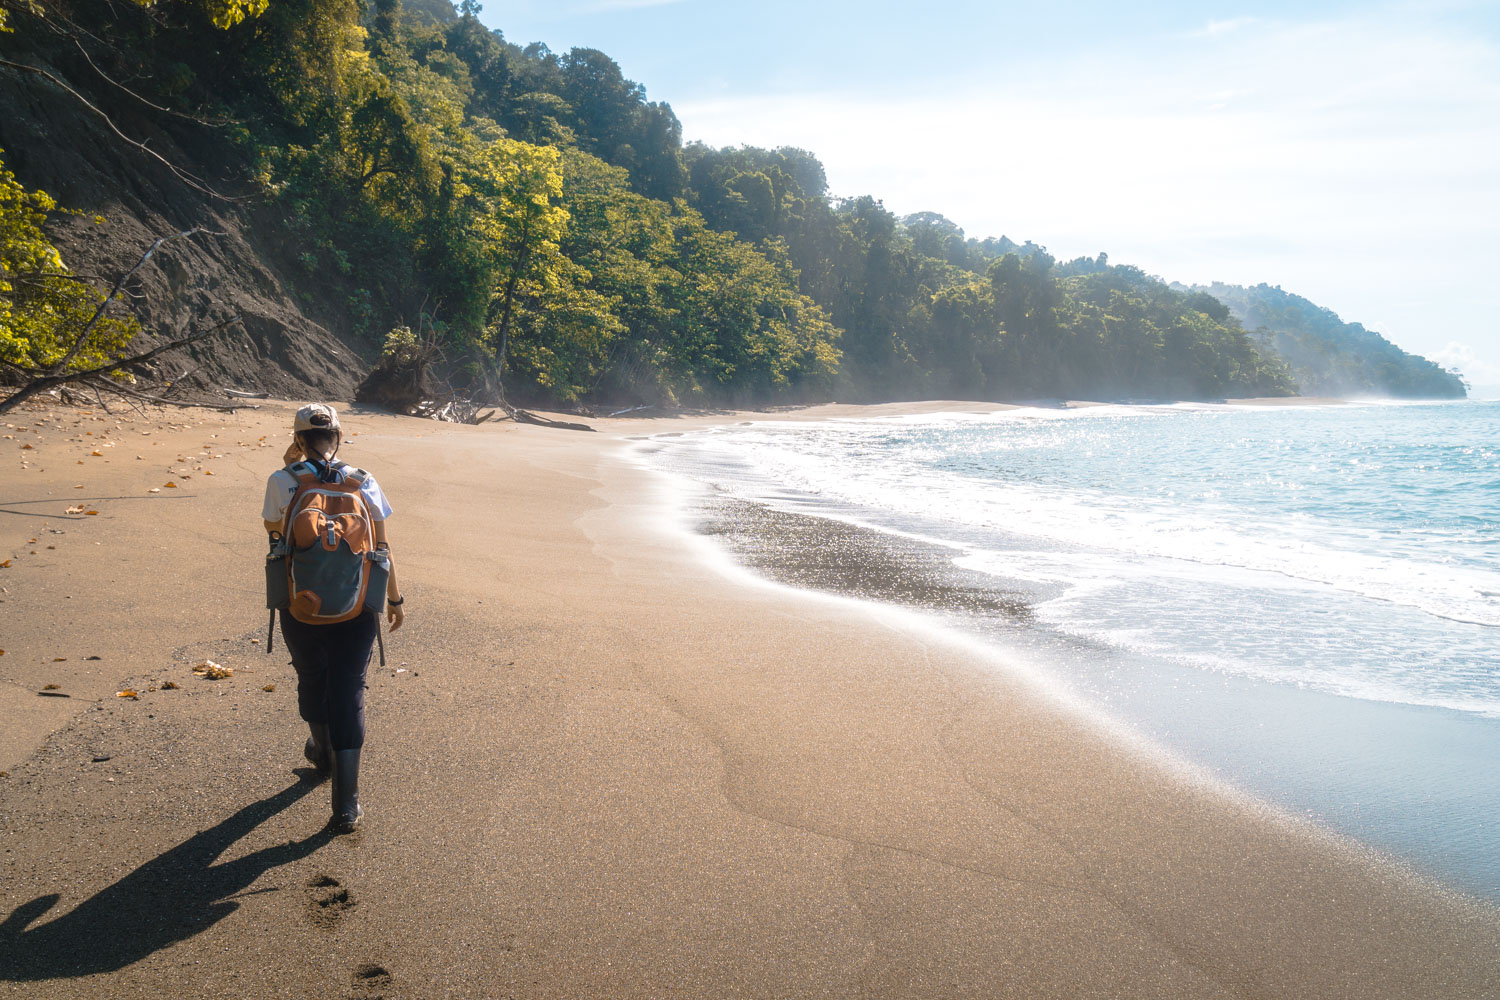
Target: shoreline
[606,769]
[1254,750]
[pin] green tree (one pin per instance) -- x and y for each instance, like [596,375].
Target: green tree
[50,320]
[519,221]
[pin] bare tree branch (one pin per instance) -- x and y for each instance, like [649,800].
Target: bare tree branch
[46,382]
[120,283]
[154,107]
[197,183]
[177,382]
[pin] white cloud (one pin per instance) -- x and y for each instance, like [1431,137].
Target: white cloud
[1356,163]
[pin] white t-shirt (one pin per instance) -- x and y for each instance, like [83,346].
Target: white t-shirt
[282,484]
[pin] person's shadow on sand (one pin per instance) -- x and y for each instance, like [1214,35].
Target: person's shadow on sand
[168,899]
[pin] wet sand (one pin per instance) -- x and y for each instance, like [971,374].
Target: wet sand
[598,765]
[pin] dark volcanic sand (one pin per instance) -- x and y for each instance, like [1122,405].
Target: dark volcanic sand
[820,553]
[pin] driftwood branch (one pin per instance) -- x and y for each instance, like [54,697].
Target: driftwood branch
[521,416]
[45,382]
[164,401]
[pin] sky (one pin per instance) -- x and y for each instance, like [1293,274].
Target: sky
[1349,153]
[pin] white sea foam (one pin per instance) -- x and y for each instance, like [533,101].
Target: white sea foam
[1240,538]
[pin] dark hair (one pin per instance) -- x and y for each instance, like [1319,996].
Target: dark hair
[316,442]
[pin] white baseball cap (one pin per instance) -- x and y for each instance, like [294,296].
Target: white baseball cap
[316,417]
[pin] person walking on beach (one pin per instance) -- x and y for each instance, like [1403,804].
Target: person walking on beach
[327,522]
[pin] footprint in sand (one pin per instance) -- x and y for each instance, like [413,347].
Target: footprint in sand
[328,900]
[371,982]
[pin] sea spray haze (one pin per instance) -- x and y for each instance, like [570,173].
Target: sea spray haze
[1213,573]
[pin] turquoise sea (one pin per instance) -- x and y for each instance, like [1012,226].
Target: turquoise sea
[1303,599]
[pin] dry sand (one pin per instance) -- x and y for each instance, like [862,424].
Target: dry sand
[605,768]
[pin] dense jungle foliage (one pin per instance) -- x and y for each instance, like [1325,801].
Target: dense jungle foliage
[545,216]
[1329,357]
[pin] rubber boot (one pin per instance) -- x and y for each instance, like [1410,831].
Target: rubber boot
[319,748]
[346,810]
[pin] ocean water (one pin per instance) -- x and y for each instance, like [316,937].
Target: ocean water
[1304,599]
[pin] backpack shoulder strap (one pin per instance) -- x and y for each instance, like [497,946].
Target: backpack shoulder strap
[301,471]
[353,475]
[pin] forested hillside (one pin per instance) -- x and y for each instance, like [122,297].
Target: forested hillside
[1329,357]
[404,165]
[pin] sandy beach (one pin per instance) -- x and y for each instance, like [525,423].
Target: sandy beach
[602,762]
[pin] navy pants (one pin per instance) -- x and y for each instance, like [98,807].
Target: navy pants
[330,661]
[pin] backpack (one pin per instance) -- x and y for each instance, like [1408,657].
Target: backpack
[324,567]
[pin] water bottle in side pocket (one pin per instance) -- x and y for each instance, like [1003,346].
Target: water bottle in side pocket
[278,590]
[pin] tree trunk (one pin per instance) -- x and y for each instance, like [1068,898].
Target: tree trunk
[506,309]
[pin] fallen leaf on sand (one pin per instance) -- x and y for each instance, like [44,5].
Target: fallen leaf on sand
[97,454]
[49,687]
[59,659]
[80,461]
[78,509]
[213,671]
[5,565]
[269,687]
[91,513]
[169,685]
[255,642]
[26,447]
[128,693]
[170,486]
[208,472]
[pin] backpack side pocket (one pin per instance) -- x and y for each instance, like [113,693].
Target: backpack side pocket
[380,573]
[278,592]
